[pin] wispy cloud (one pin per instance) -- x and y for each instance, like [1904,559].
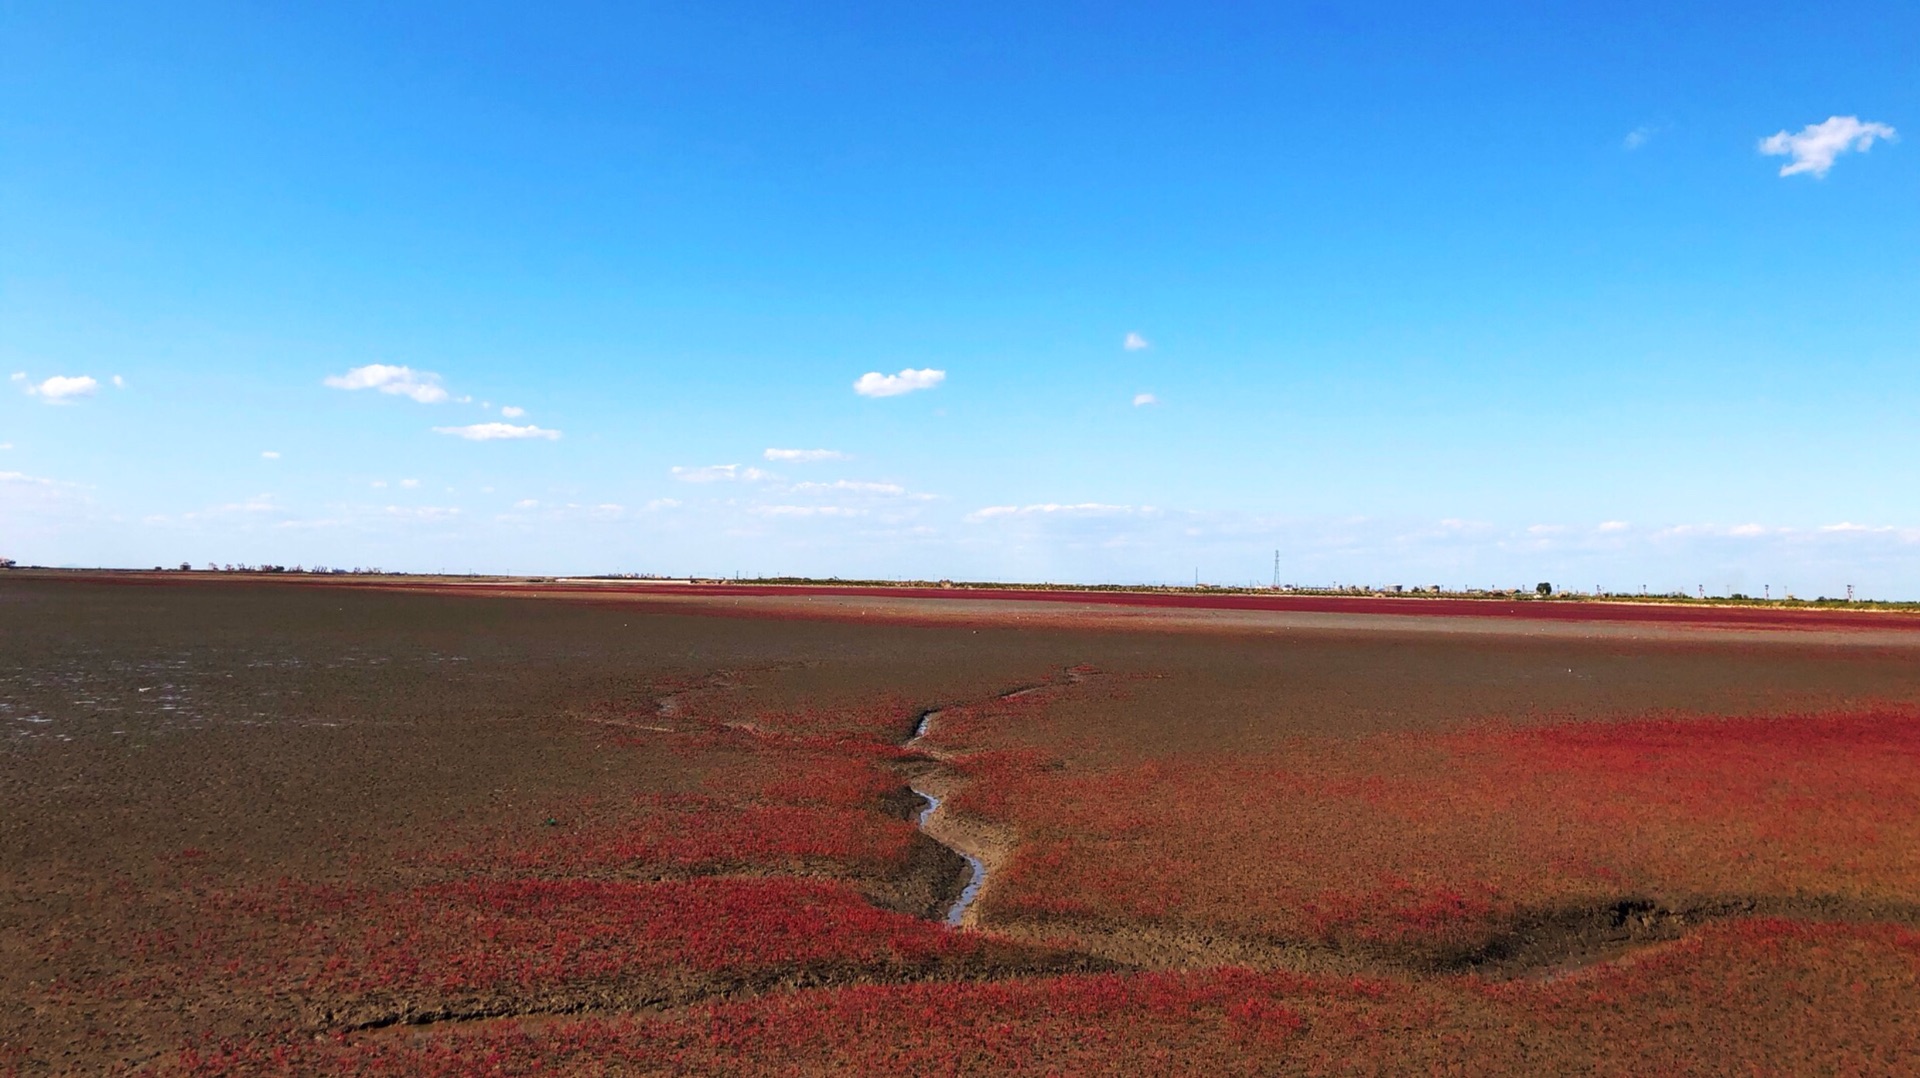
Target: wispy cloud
[719,473]
[494,432]
[1050,509]
[422,386]
[850,486]
[804,456]
[424,512]
[875,384]
[1141,400]
[61,389]
[1134,342]
[806,511]
[512,412]
[269,454]
[1639,137]
[1814,148]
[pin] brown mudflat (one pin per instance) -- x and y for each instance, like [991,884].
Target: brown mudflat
[237,815]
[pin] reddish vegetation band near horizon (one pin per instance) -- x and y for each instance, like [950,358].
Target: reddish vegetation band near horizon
[1582,610]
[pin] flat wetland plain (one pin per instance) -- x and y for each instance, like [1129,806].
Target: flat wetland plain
[295,827]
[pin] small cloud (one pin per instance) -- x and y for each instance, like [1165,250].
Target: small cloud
[1546,529]
[4,446]
[875,384]
[378,484]
[493,432]
[805,456]
[423,512]
[719,473]
[1747,530]
[422,386]
[119,382]
[806,511]
[851,486]
[527,503]
[1136,343]
[1050,509]
[61,388]
[18,376]
[512,412]
[1141,400]
[1639,137]
[662,503]
[1613,526]
[269,454]
[410,484]
[1816,146]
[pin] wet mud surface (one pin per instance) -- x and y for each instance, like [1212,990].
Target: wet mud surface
[252,810]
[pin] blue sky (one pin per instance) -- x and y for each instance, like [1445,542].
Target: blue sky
[1417,293]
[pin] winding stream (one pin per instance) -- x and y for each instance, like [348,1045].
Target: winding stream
[977,867]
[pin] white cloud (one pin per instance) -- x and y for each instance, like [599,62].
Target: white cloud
[119,382]
[269,454]
[410,484]
[1613,526]
[1817,145]
[422,386]
[24,480]
[493,432]
[512,412]
[1638,137]
[805,456]
[1047,509]
[662,503]
[527,503]
[4,446]
[806,511]
[851,486]
[61,388]
[18,376]
[875,384]
[1135,343]
[423,512]
[719,473]
[1141,400]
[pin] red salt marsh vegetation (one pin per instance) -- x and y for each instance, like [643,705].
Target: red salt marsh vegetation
[1757,996]
[253,828]
[1464,846]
